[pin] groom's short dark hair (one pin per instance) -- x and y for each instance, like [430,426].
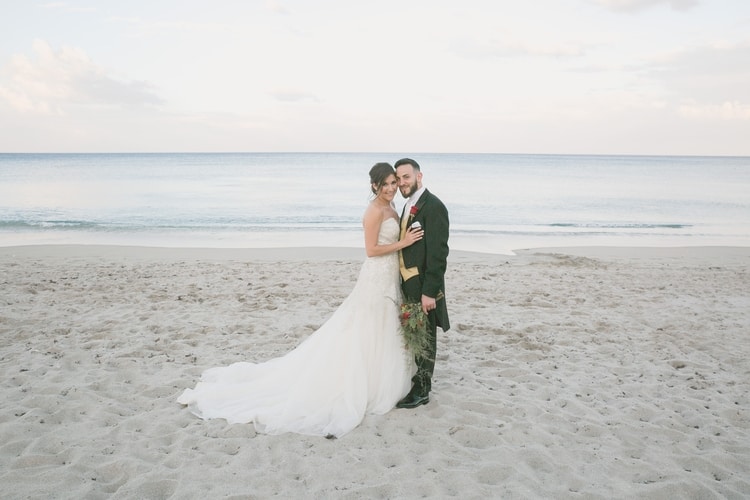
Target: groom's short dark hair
[407,161]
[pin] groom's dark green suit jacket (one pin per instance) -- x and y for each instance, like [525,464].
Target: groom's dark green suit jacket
[428,256]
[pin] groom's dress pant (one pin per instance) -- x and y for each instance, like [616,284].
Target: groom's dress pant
[425,365]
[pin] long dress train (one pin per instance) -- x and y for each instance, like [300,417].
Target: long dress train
[354,364]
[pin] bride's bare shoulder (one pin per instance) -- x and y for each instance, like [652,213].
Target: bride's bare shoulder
[373,214]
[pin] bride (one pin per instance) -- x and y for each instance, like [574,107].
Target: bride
[354,364]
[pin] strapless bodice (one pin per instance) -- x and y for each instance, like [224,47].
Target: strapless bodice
[389,231]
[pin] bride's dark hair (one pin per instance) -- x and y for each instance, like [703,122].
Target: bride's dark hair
[378,174]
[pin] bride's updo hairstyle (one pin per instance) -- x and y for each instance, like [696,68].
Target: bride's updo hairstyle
[378,174]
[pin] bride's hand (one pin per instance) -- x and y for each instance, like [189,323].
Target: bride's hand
[413,234]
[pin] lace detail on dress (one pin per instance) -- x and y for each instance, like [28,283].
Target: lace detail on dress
[382,271]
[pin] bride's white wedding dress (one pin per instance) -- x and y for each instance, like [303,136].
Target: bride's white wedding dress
[354,364]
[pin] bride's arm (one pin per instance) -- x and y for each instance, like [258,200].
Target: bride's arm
[371,221]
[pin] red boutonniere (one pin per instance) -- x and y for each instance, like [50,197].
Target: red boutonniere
[413,211]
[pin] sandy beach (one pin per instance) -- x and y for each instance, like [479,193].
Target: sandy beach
[586,373]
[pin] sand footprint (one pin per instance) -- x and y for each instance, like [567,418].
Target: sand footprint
[163,488]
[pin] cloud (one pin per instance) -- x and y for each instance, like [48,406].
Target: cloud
[635,5]
[55,80]
[710,74]
[724,111]
[517,48]
[706,83]
[65,7]
[146,28]
[292,95]
[276,7]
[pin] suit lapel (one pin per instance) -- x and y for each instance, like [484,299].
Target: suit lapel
[418,205]
[407,218]
[422,200]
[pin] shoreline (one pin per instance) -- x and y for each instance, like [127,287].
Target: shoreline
[483,243]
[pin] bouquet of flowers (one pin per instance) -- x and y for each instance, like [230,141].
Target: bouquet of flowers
[414,325]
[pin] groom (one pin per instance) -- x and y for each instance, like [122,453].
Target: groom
[423,269]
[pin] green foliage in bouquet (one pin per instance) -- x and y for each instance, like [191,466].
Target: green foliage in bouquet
[414,327]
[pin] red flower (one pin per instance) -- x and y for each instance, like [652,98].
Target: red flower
[413,210]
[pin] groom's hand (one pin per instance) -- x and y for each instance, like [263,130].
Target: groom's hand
[428,304]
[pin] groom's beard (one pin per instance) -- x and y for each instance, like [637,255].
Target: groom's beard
[409,190]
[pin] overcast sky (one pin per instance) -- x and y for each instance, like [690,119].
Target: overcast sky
[521,76]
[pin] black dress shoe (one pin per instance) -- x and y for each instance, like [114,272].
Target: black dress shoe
[413,400]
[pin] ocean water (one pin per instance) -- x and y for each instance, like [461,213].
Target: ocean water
[497,202]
